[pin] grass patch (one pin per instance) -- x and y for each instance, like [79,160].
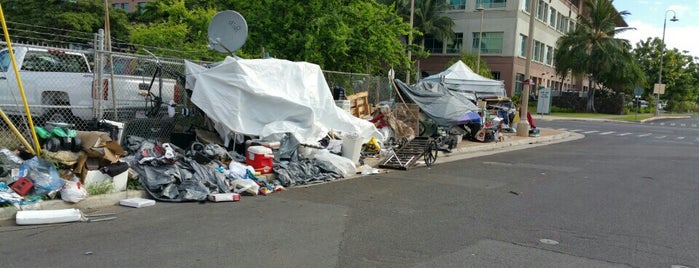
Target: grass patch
[100,188]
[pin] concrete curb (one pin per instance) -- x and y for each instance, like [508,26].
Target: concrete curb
[665,117]
[465,152]
[92,202]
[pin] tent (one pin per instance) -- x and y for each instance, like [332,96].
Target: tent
[271,97]
[462,81]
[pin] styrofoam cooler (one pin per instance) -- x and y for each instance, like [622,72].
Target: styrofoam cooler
[344,105]
[352,147]
[260,158]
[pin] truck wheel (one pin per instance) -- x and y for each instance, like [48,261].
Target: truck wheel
[61,115]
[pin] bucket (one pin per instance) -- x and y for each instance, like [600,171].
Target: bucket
[352,147]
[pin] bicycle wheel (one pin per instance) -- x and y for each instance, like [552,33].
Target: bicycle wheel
[431,151]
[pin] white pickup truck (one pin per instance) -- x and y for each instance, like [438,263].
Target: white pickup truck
[60,86]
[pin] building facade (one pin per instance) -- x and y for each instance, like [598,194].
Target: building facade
[129,5]
[504,27]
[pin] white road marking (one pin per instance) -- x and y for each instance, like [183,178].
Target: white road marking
[683,125]
[575,130]
[607,133]
[661,137]
[645,135]
[591,131]
[672,124]
[662,124]
[680,138]
[564,129]
[624,134]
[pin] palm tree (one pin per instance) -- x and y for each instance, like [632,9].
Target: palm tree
[591,47]
[428,19]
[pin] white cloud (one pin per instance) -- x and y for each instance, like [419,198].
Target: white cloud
[680,37]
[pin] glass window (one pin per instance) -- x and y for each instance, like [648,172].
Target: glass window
[495,75]
[552,17]
[491,43]
[519,78]
[5,60]
[526,4]
[549,55]
[541,10]
[457,4]
[40,61]
[523,46]
[491,3]
[454,46]
[433,45]
[571,26]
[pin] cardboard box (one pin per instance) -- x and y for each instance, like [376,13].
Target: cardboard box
[96,176]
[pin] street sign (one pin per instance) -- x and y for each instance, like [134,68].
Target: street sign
[658,88]
[638,92]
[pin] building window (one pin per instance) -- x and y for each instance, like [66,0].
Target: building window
[541,10]
[491,3]
[523,46]
[571,26]
[526,5]
[142,7]
[552,17]
[121,6]
[454,46]
[491,43]
[559,22]
[519,78]
[456,4]
[549,55]
[433,45]
[495,75]
[538,51]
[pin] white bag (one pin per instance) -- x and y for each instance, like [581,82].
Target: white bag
[73,192]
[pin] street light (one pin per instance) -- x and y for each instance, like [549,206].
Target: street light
[480,39]
[662,53]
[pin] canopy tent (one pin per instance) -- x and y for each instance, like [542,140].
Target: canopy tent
[462,81]
[271,97]
[439,104]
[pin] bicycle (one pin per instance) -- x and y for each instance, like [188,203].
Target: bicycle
[154,102]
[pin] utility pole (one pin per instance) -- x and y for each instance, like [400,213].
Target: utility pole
[523,124]
[410,41]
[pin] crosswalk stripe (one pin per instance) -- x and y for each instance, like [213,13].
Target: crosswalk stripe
[662,124]
[576,130]
[672,124]
[607,133]
[645,135]
[680,138]
[694,125]
[624,134]
[591,131]
[661,137]
[563,129]
[683,125]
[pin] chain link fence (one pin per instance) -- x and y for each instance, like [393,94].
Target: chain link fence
[93,90]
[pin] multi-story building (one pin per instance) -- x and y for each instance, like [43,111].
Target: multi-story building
[504,27]
[129,5]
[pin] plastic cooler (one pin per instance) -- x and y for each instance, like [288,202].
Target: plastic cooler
[260,158]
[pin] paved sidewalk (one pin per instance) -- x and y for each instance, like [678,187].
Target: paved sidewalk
[464,150]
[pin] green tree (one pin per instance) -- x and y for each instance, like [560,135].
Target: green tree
[592,49]
[680,74]
[61,23]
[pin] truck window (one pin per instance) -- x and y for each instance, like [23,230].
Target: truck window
[42,61]
[4,60]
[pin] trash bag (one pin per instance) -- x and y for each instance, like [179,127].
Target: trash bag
[73,192]
[43,174]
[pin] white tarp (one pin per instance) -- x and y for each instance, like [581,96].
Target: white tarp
[462,81]
[270,97]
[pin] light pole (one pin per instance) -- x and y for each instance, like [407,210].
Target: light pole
[662,53]
[480,39]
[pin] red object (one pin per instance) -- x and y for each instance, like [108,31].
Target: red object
[22,186]
[260,158]
[379,121]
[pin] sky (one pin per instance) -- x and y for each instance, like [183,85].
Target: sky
[647,17]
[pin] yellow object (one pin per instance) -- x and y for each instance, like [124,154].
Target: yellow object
[516,118]
[371,146]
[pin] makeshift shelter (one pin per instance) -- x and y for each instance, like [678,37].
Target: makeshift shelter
[462,81]
[439,103]
[271,97]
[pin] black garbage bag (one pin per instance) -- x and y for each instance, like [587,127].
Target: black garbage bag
[306,171]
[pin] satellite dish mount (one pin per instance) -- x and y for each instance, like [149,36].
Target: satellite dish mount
[228,31]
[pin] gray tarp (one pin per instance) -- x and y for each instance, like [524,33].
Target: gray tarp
[440,104]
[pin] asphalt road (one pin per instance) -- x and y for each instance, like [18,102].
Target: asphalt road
[607,200]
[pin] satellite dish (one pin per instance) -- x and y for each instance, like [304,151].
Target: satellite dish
[227,31]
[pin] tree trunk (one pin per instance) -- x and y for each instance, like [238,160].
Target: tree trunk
[590,98]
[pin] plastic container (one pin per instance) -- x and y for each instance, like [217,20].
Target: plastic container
[260,158]
[344,105]
[352,147]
